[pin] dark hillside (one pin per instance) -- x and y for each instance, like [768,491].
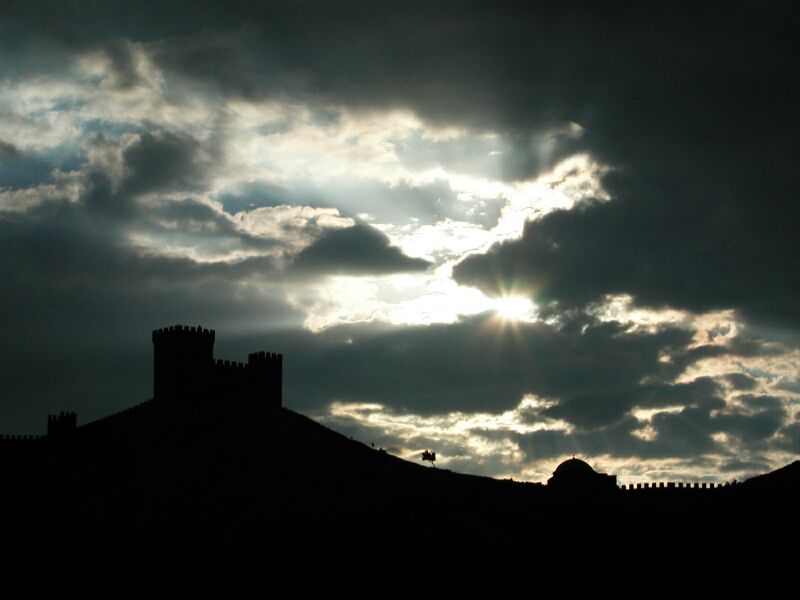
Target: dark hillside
[238,495]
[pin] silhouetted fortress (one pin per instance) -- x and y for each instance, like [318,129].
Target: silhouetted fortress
[186,379]
[185,369]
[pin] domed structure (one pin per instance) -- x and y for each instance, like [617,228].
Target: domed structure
[574,466]
[576,475]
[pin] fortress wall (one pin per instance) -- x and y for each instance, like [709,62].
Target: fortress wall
[230,379]
[20,438]
[676,486]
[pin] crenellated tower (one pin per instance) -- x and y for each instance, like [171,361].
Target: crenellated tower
[183,362]
[265,377]
[185,370]
[62,425]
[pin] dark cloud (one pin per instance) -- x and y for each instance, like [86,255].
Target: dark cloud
[191,223]
[234,62]
[590,411]
[473,366]
[683,435]
[740,381]
[154,161]
[615,441]
[702,392]
[791,385]
[789,437]
[123,65]
[750,467]
[166,161]
[8,150]
[761,418]
[523,66]
[360,249]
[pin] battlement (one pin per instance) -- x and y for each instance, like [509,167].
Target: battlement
[671,485]
[264,356]
[228,364]
[183,362]
[183,332]
[61,425]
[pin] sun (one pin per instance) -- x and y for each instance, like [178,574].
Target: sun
[514,308]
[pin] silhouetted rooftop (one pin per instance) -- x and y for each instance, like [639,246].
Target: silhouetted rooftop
[574,466]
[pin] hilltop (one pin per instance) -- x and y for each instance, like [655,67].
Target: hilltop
[228,496]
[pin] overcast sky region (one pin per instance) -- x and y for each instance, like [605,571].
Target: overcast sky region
[506,232]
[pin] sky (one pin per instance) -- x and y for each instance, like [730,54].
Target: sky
[505,232]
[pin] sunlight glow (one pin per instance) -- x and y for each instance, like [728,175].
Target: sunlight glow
[401,299]
[513,308]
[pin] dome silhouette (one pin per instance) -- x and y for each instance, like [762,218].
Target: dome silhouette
[574,466]
[576,475]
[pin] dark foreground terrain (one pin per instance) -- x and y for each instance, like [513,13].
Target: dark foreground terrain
[178,500]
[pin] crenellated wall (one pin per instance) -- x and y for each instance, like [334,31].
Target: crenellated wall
[230,379]
[21,438]
[671,485]
[259,379]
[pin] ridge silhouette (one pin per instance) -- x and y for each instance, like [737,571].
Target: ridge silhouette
[213,485]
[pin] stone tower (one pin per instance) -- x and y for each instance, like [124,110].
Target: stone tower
[184,363]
